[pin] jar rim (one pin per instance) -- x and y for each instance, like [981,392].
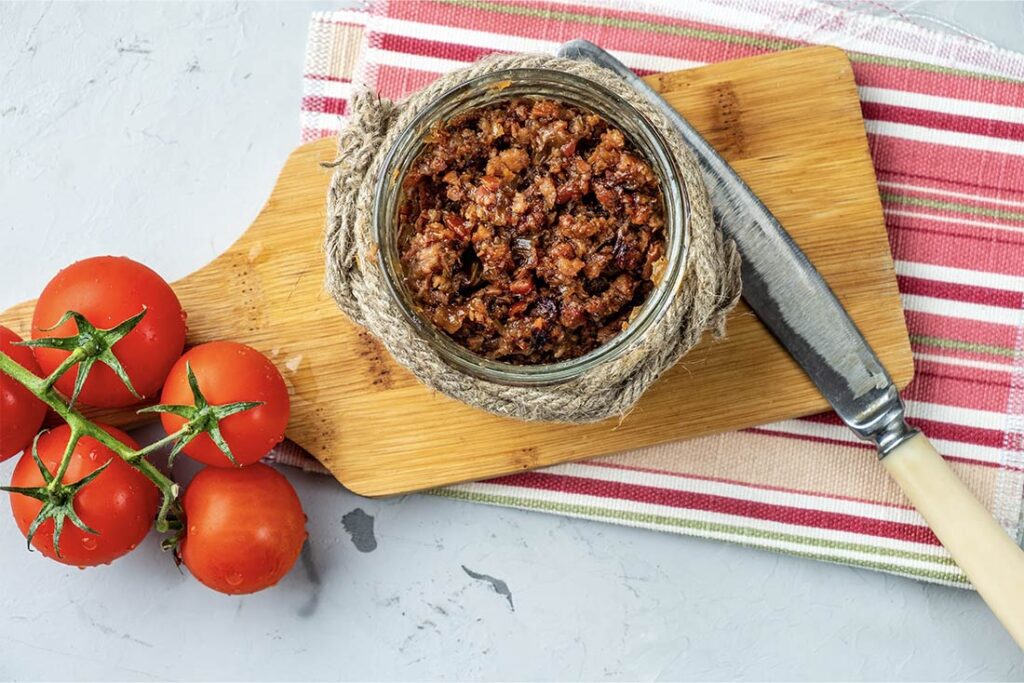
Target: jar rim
[533,82]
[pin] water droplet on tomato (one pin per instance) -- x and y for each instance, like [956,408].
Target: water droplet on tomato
[88,542]
[93,455]
[133,546]
[233,579]
[193,530]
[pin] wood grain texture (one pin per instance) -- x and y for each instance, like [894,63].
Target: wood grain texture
[790,124]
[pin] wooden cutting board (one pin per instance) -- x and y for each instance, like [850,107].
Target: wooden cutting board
[790,123]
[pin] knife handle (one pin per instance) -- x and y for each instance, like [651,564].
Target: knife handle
[989,558]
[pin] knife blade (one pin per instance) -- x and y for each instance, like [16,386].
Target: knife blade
[795,303]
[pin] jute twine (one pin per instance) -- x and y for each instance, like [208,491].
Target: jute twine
[357,282]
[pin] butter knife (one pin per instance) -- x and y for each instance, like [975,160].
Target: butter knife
[793,301]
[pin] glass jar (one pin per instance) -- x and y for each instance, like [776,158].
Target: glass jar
[500,86]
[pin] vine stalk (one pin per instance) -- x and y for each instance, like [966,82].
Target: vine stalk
[43,389]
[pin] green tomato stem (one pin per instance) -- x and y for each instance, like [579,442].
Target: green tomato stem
[65,460]
[82,426]
[157,445]
[73,357]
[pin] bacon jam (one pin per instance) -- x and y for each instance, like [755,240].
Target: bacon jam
[530,230]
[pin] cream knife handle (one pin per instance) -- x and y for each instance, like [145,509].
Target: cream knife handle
[993,562]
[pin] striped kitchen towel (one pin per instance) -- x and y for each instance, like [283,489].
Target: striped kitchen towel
[945,118]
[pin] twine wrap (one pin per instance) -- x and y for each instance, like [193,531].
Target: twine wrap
[357,282]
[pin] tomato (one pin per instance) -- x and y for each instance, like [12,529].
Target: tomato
[120,504]
[228,372]
[244,528]
[21,413]
[108,290]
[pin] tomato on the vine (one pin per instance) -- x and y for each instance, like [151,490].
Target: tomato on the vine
[107,291]
[119,504]
[244,528]
[228,372]
[21,413]
[112,332]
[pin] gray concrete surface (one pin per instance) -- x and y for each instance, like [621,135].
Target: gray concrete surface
[156,131]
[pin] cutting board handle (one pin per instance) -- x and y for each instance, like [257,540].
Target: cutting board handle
[989,558]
